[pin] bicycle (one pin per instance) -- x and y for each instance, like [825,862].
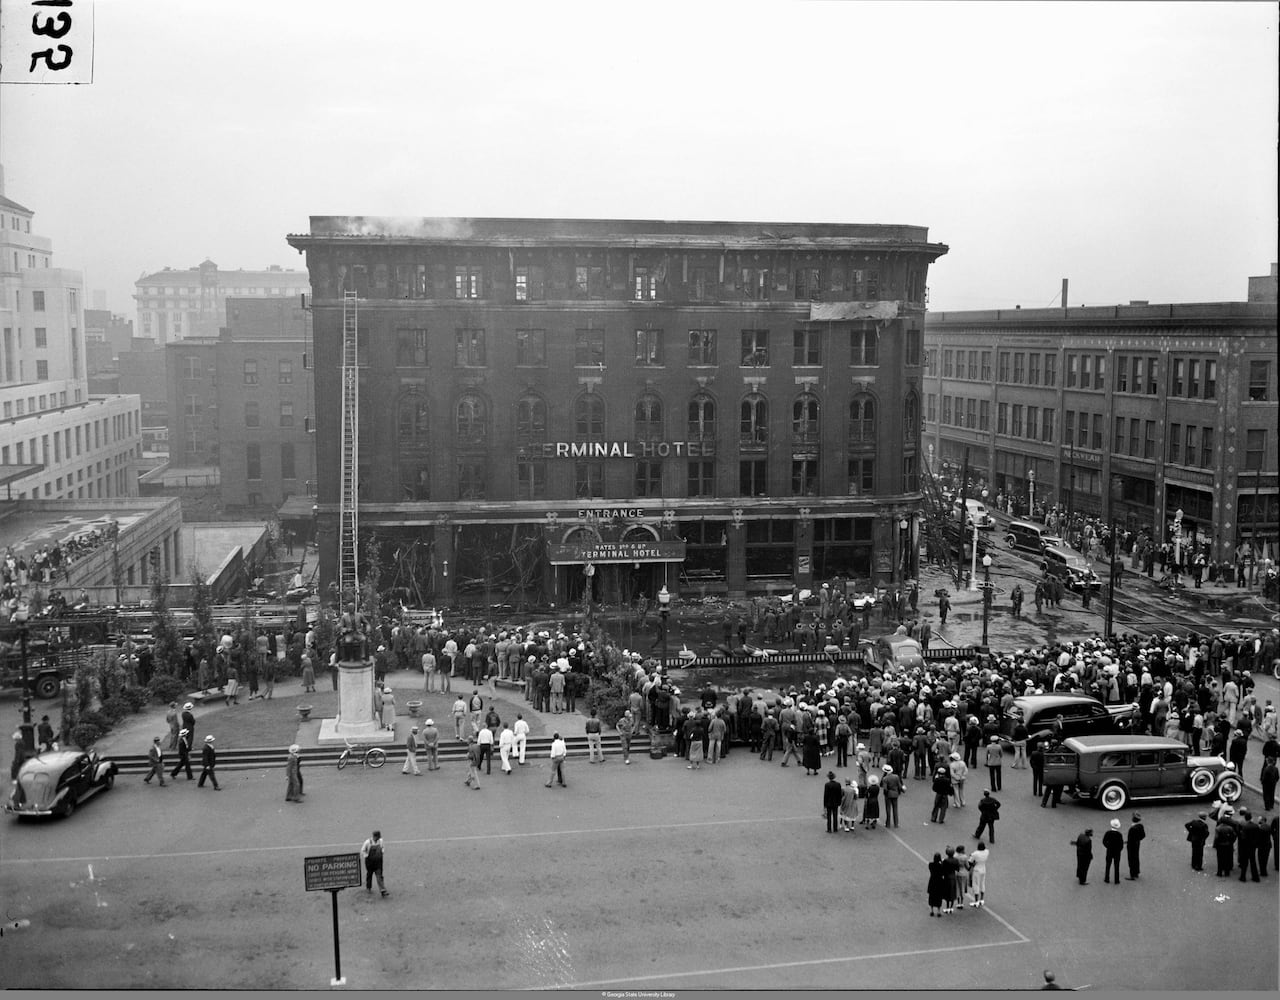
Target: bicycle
[368,755]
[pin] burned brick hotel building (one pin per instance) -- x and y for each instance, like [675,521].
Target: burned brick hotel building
[555,404]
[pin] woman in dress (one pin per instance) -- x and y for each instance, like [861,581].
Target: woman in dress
[388,709]
[936,881]
[950,869]
[962,876]
[695,748]
[308,673]
[871,810]
[876,748]
[293,768]
[812,757]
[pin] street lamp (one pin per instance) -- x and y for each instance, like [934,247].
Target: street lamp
[1031,491]
[1177,539]
[973,569]
[903,543]
[19,618]
[986,597]
[664,609]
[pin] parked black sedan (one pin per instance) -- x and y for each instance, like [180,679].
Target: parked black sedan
[53,784]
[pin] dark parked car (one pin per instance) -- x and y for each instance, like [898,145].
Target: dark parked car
[1082,715]
[55,783]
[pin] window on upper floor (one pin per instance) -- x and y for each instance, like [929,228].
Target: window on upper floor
[804,477]
[589,281]
[804,420]
[755,348]
[702,418]
[644,285]
[469,349]
[806,348]
[531,348]
[648,418]
[250,372]
[702,347]
[530,283]
[1050,369]
[1019,367]
[1211,379]
[286,413]
[808,283]
[588,417]
[862,420]
[531,419]
[1003,372]
[755,283]
[864,346]
[467,282]
[649,348]
[913,340]
[648,481]
[754,423]
[252,417]
[1259,381]
[37,301]
[1033,369]
[411,348]
[412,424]
[472,420]
[588,348]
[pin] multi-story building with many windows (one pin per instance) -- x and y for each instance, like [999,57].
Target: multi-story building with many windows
[242,402]
[57,441]
[174,304]
[732,405]
[1126,412]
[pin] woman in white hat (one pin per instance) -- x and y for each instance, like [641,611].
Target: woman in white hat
[293,768]
[388,709]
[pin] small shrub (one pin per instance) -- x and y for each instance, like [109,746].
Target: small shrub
[115,708]
[164,689]
[138,697]
[85,734]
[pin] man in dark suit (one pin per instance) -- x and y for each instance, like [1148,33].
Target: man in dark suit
[832,794]
[1133,845]
[1247,845]
[1197,835]
[1084,855]
[208,760]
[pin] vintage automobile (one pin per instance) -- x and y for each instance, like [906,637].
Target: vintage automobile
[1033,536]
[1115,770]
[900,652]
[55,783]
[1070,567]
[1082,715]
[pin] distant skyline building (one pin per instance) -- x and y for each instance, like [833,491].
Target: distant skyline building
[177,304]
[57,441]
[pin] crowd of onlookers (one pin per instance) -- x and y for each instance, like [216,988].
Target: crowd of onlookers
[47,562]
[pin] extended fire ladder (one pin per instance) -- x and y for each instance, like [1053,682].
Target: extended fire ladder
[349,503]
[937,515]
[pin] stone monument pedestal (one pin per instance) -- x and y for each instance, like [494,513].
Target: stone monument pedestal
[355,721]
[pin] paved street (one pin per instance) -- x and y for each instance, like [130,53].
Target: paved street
[640,877]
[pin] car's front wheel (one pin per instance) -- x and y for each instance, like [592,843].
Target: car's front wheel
[109,781]
[47,686]
[68,807]
[1230,788]
[1113,797]
[1202,781]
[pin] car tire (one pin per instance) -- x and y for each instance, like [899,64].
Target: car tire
[1230,788]
[1011,541]
[1202,781]
[109,782]
[1113,797]
[68,808]
[47,686]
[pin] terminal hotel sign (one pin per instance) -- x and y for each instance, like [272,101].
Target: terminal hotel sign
[617,449]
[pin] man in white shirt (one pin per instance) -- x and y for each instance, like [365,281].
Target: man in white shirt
[450,663]
[459,717]
[520,737]
[486,748]
[428,670]
[558,753]
[506,739]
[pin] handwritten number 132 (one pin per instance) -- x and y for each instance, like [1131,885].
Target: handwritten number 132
[53,27]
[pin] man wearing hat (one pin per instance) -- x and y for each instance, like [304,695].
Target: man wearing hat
[832,796]
[189,722]
[1224,840]
[1113,845]
[520,737]
[430,739]
[891,786]
[995,762]
[1197,833]
[1133,844]
[959,773]
[184,755]
[208,760]
[1084,855]
[155,756]
[293,769]
[411,752]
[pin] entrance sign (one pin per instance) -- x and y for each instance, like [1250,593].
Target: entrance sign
[332,871]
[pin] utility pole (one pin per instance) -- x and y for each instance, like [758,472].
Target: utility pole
[1111,584]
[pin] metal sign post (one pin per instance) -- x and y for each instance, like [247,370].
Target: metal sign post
[333,873]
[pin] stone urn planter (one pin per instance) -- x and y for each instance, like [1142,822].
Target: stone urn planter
[415,708]
[304,712]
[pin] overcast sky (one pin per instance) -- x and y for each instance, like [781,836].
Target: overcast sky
[1130,147]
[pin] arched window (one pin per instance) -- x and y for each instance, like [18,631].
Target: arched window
[411,419]
[702,418]
[415,482]
[754,425]
[648,418]
[588,417]
[804,420]
[911,418]
[472,420]
[531,418]
[862,420]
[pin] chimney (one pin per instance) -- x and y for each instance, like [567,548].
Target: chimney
[1064,293]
